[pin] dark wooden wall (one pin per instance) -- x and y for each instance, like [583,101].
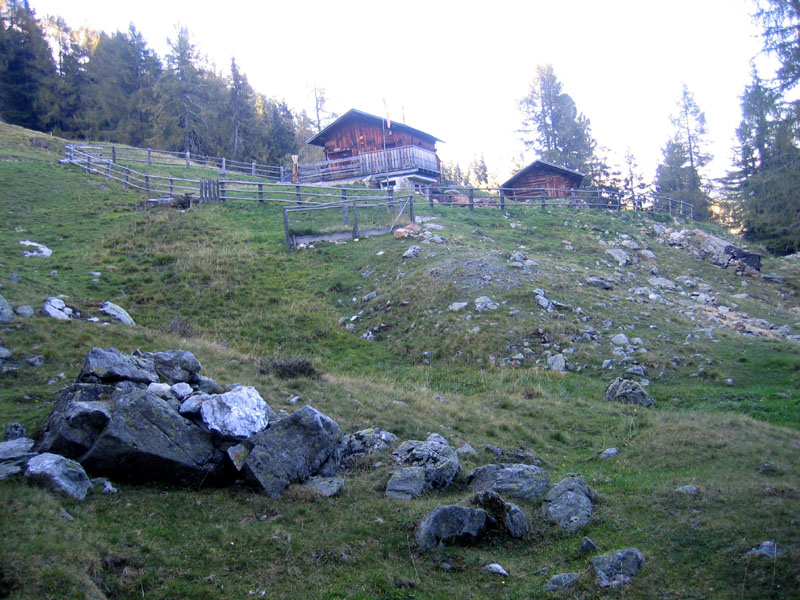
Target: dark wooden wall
[356,136]
[557,184]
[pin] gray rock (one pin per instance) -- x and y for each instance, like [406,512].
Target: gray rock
[629,392]
[588,546]
[206,385]
[608,453]
[370,296]
[617,569]
[688,489]
[412,252]
[117,312]
[292,450]
[162,390]
[176,366]
[485,303]
[496,450]
[6,310]
[406,484]
[557,362]
[569,504]
[55,308]
[24,311]
[14,277]
[774,277]
[495,569]
[768,548]
[79,415]
[16,449]
[516,480]
[620,339]
[661,282]
[619,255]
[107,487]
[14,431]
[434,456]
[505,516]
[58,474]
[236,414]
[40,250]
[365,442]
[328,487]
[450,523]
[5,353]
[110,365]
[562,581]
[599,282]
[466,450]
[456,306]
[36,360]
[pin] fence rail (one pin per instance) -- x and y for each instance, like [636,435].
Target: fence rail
[380,162]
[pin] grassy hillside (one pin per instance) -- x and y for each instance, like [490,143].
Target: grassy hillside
[217,280]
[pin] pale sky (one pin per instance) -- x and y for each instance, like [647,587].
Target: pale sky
[457,69]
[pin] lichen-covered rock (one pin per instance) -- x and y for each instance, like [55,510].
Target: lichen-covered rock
[14,455]
[516,480]
[629,392]
[406,483]
[80,413]
[450,523]
[569,503]
[6,310]
[617,569]
[58,474]
[327,487]
[175,365]
[504,516]
[110,365]
[438,461]
[562,581]
[295,448]
[366,441]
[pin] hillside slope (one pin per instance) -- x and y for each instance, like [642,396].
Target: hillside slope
[718,349]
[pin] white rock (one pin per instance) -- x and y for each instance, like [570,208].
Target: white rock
[117,312]
[181,390]
[55,308]
[41,250]
[238,413]
[496,569]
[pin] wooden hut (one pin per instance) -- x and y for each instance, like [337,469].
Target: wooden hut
[542,178]
[359,145]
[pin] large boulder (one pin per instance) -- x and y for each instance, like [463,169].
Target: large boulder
[434,456]
[292,450]
[80,413]
[110,365]
[176,365]
[58,474]
[446,523]
[568,504]
[14,454]
[629,392]
[145,439]
[526,482]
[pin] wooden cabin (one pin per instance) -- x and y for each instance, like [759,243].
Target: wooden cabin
[359,145]
[539,178]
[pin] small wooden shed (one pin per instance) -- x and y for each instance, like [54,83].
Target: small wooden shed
[359,144]
[542,177]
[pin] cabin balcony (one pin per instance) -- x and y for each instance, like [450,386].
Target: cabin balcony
[394,162]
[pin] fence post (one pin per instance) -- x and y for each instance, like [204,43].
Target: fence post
[147,184]
[223,165]
[355,220]
[222,195]
[502,200]
[108,171]
[573,200]
[345,208]
[298,194]
[411,215]
[253,168]
[390,197]
[543,199]
[261,193]
[429,193]
[286,228]
[170,188]
[187,159]
[472,198]
[149,158]
[88,163]
[670,207]
[114,154]
[68,151]
[127,176]
[691,211]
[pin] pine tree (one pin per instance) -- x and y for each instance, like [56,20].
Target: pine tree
[479,174]
[241,110]
[781,21]
[552,125]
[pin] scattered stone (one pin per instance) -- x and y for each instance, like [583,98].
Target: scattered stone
[608,453]
[495,569]
[768,548]
[58,474]
[617,569]
[328,487]
[108,487]
[466,450]
[688,489]
[599,282]
[14,431]
[40,250]
[620,339]
[557,363]
[370,296]
[496,450]
[450,523]
[292,450]
[6,310]
[365,442]
[24,311]
[180,390]
[562,581]
[527,482]
[769,468]
[406,483]
[569,503]
[178,365]
[433,462]
[55,308]
[412,252]
[118,313]
[66,516]
[110,365]
[36,360]
[14,278]
[456,306]
[629,392]
[661,282]
[509,517]
[774,277]
[619,255]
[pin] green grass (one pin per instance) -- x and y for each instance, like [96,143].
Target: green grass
[218,281]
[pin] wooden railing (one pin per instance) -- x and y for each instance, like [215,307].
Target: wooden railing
[380,162]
